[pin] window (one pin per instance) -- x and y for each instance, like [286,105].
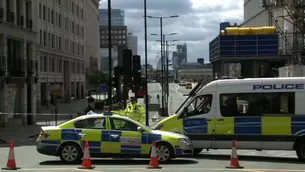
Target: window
[59,21]
[44,12]
[49,15]
[200,105]
[91,123]
[121,124]
[40,35]
[44,38]
[40,10]
[52,17]
[257,104]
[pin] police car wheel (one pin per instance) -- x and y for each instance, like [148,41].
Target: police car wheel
[70,153]
[164,152]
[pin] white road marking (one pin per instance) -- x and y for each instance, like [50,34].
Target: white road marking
[177,90]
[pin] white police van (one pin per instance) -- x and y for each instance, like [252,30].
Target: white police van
[259,113]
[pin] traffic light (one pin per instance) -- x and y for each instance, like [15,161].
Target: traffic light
[136,63]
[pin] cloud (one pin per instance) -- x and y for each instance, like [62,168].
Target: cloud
[197,25]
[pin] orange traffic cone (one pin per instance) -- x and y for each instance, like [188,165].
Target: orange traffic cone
[154,163]
[86,159]
[11,163]
[234,158]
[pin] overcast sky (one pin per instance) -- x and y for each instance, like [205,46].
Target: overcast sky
[197,25]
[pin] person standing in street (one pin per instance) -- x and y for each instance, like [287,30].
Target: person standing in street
[90,106]
[135,111]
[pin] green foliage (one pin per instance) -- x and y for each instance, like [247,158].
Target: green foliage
[97,78]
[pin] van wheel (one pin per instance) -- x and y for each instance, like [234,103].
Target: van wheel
[197,151]
[300,150]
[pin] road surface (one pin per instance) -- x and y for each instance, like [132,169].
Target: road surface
[29,160]
[176,97]
[154,89]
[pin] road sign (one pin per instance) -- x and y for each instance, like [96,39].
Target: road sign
[104,87]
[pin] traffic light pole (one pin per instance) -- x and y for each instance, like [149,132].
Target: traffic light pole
[110,56]
[167,72]
[146,81]
[162,69]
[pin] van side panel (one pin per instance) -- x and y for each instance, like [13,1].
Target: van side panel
[239,128]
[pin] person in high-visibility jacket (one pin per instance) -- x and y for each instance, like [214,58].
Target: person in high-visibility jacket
[118,109]
[135,111]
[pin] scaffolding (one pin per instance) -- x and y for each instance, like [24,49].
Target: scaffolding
[293,37]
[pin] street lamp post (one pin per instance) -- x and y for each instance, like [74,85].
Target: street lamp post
[109,54]
[163,63]
[167,66]
[146,80]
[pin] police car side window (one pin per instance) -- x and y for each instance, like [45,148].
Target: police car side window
[91,123]
[124,125]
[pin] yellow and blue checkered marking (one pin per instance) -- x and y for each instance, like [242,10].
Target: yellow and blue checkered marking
[98,142]
[248,125]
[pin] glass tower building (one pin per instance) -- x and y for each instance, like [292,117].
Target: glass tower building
[117,17]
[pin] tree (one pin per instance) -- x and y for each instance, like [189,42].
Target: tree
[97,78]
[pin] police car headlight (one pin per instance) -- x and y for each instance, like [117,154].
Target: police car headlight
[185,141]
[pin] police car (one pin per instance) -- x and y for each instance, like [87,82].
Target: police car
[109,135]
[259,113]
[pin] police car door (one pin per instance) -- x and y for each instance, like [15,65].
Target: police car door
[125,139]
[198,120]
[94,130]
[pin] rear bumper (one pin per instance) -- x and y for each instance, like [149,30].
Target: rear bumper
[47,152]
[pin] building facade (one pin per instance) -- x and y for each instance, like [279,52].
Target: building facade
[132,43]
[119,41]
[61,48]
[18,61]
[91,38]
[117,17]
[181,54]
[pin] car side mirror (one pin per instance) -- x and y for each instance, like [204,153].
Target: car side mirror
[140,129]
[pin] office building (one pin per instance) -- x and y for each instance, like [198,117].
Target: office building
[181,54]
[117,17]
[18,57]
[119,41]
[92,39]
[132,43]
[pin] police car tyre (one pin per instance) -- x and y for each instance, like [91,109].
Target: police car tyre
[197,151]
[70,153]
[300,149]
[164,151]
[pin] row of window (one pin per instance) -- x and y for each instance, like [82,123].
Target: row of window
[55,18]
[114,31]
[100,123]
[246,104]
[55,65]
[53,41]
[114,42]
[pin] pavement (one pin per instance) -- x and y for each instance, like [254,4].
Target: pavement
[214,160]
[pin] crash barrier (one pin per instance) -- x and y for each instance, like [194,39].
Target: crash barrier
[41,118]
[154,107]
